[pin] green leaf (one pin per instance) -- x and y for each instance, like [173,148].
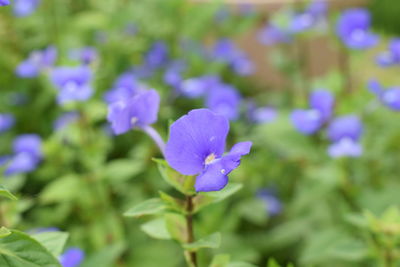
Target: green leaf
[62,189]
[53,241]
[273,263]
[182,183]
[5,193]
[20,250]
[123,169]
[204,199]
[220,260]
[4,232]
[149,207]
[173,203]
[211,241]
[156,228]
[176,225]
[241,264]
[105,257]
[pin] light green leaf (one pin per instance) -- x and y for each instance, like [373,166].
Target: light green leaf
[20,250]
[5,193]
[105,257]
[173,203]
[156,228]
[149,207]
[204,199]
[4,232]
[123,169]
[211,241]
[54,241]
[220,260]
[62,189]
[176,225]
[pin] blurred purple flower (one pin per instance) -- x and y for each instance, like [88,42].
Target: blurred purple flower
[274,205]
[137,111]
[224,100]
[85,55]
[353,28]
[311,120]
[199,86]
[27,154]
[124,87]
[390,97]
[390,57]
[348,126]
[172,75]
[65,119]
[196,145]
[23,8]
[272,34]
[345,147]
[157,56]
[4,2]
[73,83]
[37,62]
[72,257]
[6,121]
[262,115]
[312,16]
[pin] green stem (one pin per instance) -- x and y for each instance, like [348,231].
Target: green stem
[191,256]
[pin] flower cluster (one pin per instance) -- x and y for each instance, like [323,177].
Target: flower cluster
[36,62]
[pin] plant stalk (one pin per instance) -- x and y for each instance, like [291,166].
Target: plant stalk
[191,255]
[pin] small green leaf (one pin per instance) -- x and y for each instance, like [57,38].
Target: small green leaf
[220,260]
[61,190]
[176,226]
[4,232]
[211,241]
[273,263]
[149,207]
[204,199]
[156,228]
[5,193]
[173,203]
[20,250]
[182,183]
[54,241]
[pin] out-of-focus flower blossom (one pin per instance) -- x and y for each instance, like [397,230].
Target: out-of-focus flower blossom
[262,114]
[85,55]
[131,29]
[6,121]
[224,100]
[390,57]
[4,2]
[173,74]
[23,8]
[124,87]
[37,62]
[199,86]
[72,257]
[157,56]
[345,147]
[353,28]
[272,34]
[313,16]
[274,205]
[73,83]
[390,97]
[27,154]
[196,145]
[137,111]
[311,120]
[65,119]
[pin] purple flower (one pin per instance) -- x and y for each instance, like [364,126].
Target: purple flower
[37,62]
[27,154]
[4,2]
[272,34]
[353,29]
[345,147]
[224,100]
[198,87]
[6,121]
[172,75]
[85,55]
[311,120]
[196,145]
[313,16]
[72,257]
[242,65]
[348,126]
[157,56]
[262,114]
[390,97]
[65,119]
[136,111]
[23,8]
[274,205]
[73,83]
[390,57]
[124,87]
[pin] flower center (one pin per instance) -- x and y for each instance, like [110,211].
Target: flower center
[210,158]
[134,120]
